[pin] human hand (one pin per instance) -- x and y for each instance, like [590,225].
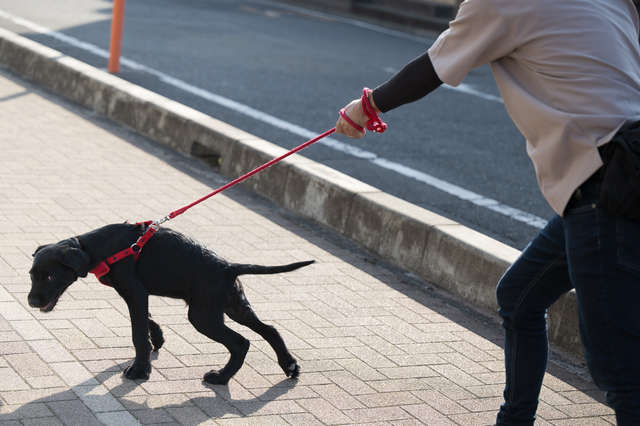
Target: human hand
[356,113]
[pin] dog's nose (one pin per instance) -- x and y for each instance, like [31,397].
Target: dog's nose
[34,301]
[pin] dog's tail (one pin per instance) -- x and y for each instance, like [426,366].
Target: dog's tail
[244,269]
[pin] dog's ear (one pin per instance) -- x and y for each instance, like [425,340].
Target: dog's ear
[39,248]
[77,260]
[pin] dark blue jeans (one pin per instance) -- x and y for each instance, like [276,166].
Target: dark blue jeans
[598,254]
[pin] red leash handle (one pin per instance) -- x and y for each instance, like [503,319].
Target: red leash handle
[375,124]
[353,124]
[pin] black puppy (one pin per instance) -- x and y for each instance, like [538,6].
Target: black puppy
[170,265]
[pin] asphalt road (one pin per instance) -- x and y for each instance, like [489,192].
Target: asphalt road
[300,67]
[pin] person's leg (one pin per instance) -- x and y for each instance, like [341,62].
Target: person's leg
[603,252]
[536,280]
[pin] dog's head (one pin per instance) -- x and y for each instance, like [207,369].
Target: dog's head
[55,267]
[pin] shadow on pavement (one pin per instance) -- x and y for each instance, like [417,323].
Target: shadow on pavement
[98,395]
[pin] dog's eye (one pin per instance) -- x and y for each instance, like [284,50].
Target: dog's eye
[49,277]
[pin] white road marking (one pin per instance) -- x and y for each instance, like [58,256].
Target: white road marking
[350,149]
[355,22]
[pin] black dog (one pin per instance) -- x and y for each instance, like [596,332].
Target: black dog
[170,265]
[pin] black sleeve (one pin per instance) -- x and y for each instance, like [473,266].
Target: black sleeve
[416,80]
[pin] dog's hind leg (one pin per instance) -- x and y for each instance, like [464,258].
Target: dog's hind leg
[155,334]
[210,322]
[240,311]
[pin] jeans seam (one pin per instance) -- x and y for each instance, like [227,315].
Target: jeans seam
[524,294]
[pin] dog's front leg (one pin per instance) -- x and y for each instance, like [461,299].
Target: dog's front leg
[137,299]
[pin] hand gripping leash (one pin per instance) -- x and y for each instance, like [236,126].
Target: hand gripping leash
[375,124]
[102,269]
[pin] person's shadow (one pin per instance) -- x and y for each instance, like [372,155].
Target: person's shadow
[121,397]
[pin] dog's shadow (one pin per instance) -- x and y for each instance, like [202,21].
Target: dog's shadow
[170,407]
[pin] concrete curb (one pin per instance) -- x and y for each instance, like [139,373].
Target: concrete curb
[455,258]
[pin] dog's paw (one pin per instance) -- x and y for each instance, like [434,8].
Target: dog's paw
[157,340]
[215,378]
[155,335]
[290,368]
[138,371]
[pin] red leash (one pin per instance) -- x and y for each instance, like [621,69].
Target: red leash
[102,269]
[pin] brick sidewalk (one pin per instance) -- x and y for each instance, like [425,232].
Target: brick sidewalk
[372,348]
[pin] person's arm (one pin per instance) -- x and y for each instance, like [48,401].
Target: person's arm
[482,32]
[417,79]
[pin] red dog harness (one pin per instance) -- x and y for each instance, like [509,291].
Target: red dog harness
[374,124]
[103,268]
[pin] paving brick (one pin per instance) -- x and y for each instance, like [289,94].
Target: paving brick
[42,421]
[293,391]
[117,418]
[24,411]
[13,311]
[137,402]
[383,414]
[456,375]
[174,386]
[72,338]
[152,416]
[428,415]
[440,402]
[585,421]
[11,381]
[42,395]
[106,353]
[371,357]
[397,385]
[28,365]
[42,382]
[475,419]
[92,327]
[387,399]
[9,336]
[74,413]
[303,419]
[408,372]
[337,397]
[97,398]
[350,383]
[73,373]
[56,324]
[360,369]
[485,391]
[324,411]
[254,421]
[585,410]
[261,408]
[30,330]
[421,359]
[51,351]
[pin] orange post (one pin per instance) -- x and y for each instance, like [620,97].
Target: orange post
[116,36]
